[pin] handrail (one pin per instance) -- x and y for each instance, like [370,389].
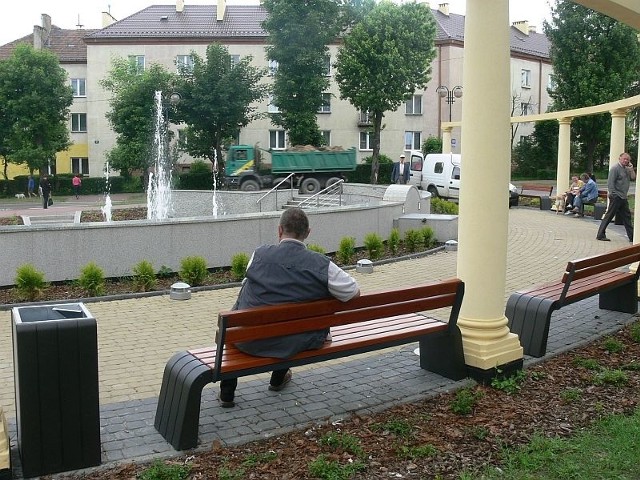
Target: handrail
[259,201]
[333,189]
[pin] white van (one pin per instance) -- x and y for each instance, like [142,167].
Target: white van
[437,173]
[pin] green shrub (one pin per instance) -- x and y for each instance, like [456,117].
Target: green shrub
[412,238]
[161,471]
[164,271]
[346,250]
[92,279]
[443,207]
[200,166]
[464,401]
[193,270]
[635,332]
[509,384]
[144,278]
[29,282]
[432,145]
[428,236]
[239,264]
[316,248]
[374,245]
[612,345]
[394,241]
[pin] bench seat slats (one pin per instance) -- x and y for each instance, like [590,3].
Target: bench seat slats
[350,337]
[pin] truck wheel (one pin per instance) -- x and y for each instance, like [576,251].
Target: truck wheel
[433,191]
[310,186]
[333,180]
[249,186]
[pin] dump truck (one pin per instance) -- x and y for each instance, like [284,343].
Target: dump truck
[312,170]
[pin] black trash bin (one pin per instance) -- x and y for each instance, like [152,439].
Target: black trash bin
[55,365]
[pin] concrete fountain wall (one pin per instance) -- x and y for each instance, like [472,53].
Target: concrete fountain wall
[60,251]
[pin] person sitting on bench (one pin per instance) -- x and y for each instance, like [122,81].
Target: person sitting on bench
[587,194]
[284,273]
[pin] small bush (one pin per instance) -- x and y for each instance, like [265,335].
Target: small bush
[612,345]
[239,264]
[417,451]
[394,241]
[161,471]
[193,270]
[443,207]
[428,236]
[29,282]
[316,248]
[571,395]
[92,279]
[144,278]
[588,363]
[464,401]
[510,384]
[412,238]
[635,332]
[325,468]
[374,245]
[346,250]
[342,441]
[164,272]
[614,377]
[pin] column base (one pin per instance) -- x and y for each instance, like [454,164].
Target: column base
[485,377]
[487,353]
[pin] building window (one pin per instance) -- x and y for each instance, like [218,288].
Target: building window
[327,66]
[525,108]
[326,137]
[525,78]
[78,122]
[273,67]
[184,63]
[413,106]
[80,165]
[235,59]
[326,103]
[364,118]
[272,107]
[79,86]
[366,140]
[412,140]
[138,62]
[277,139]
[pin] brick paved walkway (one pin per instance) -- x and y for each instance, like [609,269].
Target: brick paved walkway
[137,336]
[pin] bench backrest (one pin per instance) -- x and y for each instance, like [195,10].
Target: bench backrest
[289,318]
[604,262]
[536,187]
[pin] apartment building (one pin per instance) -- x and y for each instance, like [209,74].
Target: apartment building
[168,34]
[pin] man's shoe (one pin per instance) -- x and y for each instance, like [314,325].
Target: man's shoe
[568,212]
[603,239]
[579,215]
[226,403]
[285,380]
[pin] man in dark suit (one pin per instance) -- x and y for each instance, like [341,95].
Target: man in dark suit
[400,172]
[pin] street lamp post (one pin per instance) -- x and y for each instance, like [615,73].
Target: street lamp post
[174,99]
[450,94]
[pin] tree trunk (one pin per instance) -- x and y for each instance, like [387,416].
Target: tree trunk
[375,163]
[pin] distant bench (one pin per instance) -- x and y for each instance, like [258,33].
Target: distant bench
[529,311]
[367,323]
[542,192]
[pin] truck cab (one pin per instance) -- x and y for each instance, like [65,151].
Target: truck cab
[241,169]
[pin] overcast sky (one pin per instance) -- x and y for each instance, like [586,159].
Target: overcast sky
[66,13]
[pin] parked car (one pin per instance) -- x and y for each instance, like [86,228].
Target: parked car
[513,195]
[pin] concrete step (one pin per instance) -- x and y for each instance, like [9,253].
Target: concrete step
[54,219]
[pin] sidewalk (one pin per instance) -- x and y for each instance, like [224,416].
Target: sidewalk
[66,204]
[137,336]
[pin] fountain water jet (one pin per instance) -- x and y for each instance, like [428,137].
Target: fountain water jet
[106,209]
[159,204]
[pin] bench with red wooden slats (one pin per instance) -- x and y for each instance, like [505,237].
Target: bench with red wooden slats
[533,190]
[529,311]
[367,323]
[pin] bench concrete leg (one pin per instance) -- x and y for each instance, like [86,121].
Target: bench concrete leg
[545,203]
[443,354]
[621,299]
[598,210]
[529,317]
[178,411]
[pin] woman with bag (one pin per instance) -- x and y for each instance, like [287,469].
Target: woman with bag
[45,185]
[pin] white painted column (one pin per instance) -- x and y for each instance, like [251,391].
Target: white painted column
[446,139]
[618,127]
[486,156]
[564,155]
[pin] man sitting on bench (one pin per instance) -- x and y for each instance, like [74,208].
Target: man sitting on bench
[587,194]
[286,273]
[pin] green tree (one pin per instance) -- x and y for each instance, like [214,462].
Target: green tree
[218,97]
[132,114]
[537,154]
[384,60]
[34,107]
[298,36]
[595,60]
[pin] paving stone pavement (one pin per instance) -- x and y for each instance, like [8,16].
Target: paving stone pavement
[137,336]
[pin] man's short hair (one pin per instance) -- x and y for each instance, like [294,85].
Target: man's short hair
[295,222]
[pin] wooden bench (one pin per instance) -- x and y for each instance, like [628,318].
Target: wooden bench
[370,322]
[529,311]
[543,192]
[599,204]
